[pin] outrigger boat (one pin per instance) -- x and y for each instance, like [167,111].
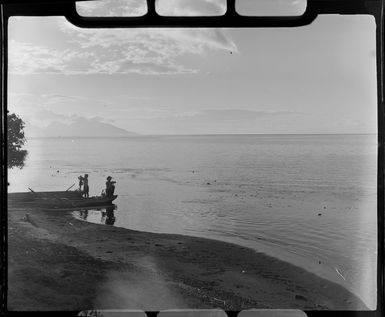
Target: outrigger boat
[33,196]
[58,203]
[60,199]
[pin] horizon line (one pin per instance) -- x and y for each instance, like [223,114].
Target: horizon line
[207,134]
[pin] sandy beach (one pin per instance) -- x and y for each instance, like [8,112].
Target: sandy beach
[57,262]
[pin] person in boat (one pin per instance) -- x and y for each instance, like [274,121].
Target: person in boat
[110,187]
[80,178]
[86,189]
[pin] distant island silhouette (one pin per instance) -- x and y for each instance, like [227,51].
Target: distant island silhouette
[82,127]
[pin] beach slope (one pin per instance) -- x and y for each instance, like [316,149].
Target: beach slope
[57,262]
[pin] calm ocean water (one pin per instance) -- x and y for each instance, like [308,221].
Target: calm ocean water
[307,199]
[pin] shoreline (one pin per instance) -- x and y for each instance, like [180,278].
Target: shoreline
[329,273]
[58,262]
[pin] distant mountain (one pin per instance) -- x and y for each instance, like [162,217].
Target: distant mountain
[80,128]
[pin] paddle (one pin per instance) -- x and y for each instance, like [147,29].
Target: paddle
[70,187]
[31,190]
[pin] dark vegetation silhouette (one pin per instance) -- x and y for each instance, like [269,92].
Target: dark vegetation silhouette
[16,140]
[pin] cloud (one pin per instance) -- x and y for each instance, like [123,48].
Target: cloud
[41,122]
[214,115]
[43,118]
[42,110]
[147,51]
[217,121]
[223,121]
[41,100]
[114,51]
[26,58]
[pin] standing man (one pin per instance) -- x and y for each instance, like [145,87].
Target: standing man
[86,189]
[110,187]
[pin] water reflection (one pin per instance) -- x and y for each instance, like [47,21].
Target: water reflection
[110,218]
[107,215]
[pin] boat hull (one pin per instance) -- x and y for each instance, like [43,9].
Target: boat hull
[58,200]
[78,203]
[32,196]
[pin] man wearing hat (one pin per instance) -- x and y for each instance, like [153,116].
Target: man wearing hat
[110,187]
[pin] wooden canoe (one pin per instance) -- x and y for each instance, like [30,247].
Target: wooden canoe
[57,203]
[32,196]
[59,199]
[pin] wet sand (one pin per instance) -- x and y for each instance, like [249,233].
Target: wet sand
[57,262]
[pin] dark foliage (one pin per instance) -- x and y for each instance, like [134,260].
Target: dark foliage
[16,140]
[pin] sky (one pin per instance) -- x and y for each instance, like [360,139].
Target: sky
[315,79]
